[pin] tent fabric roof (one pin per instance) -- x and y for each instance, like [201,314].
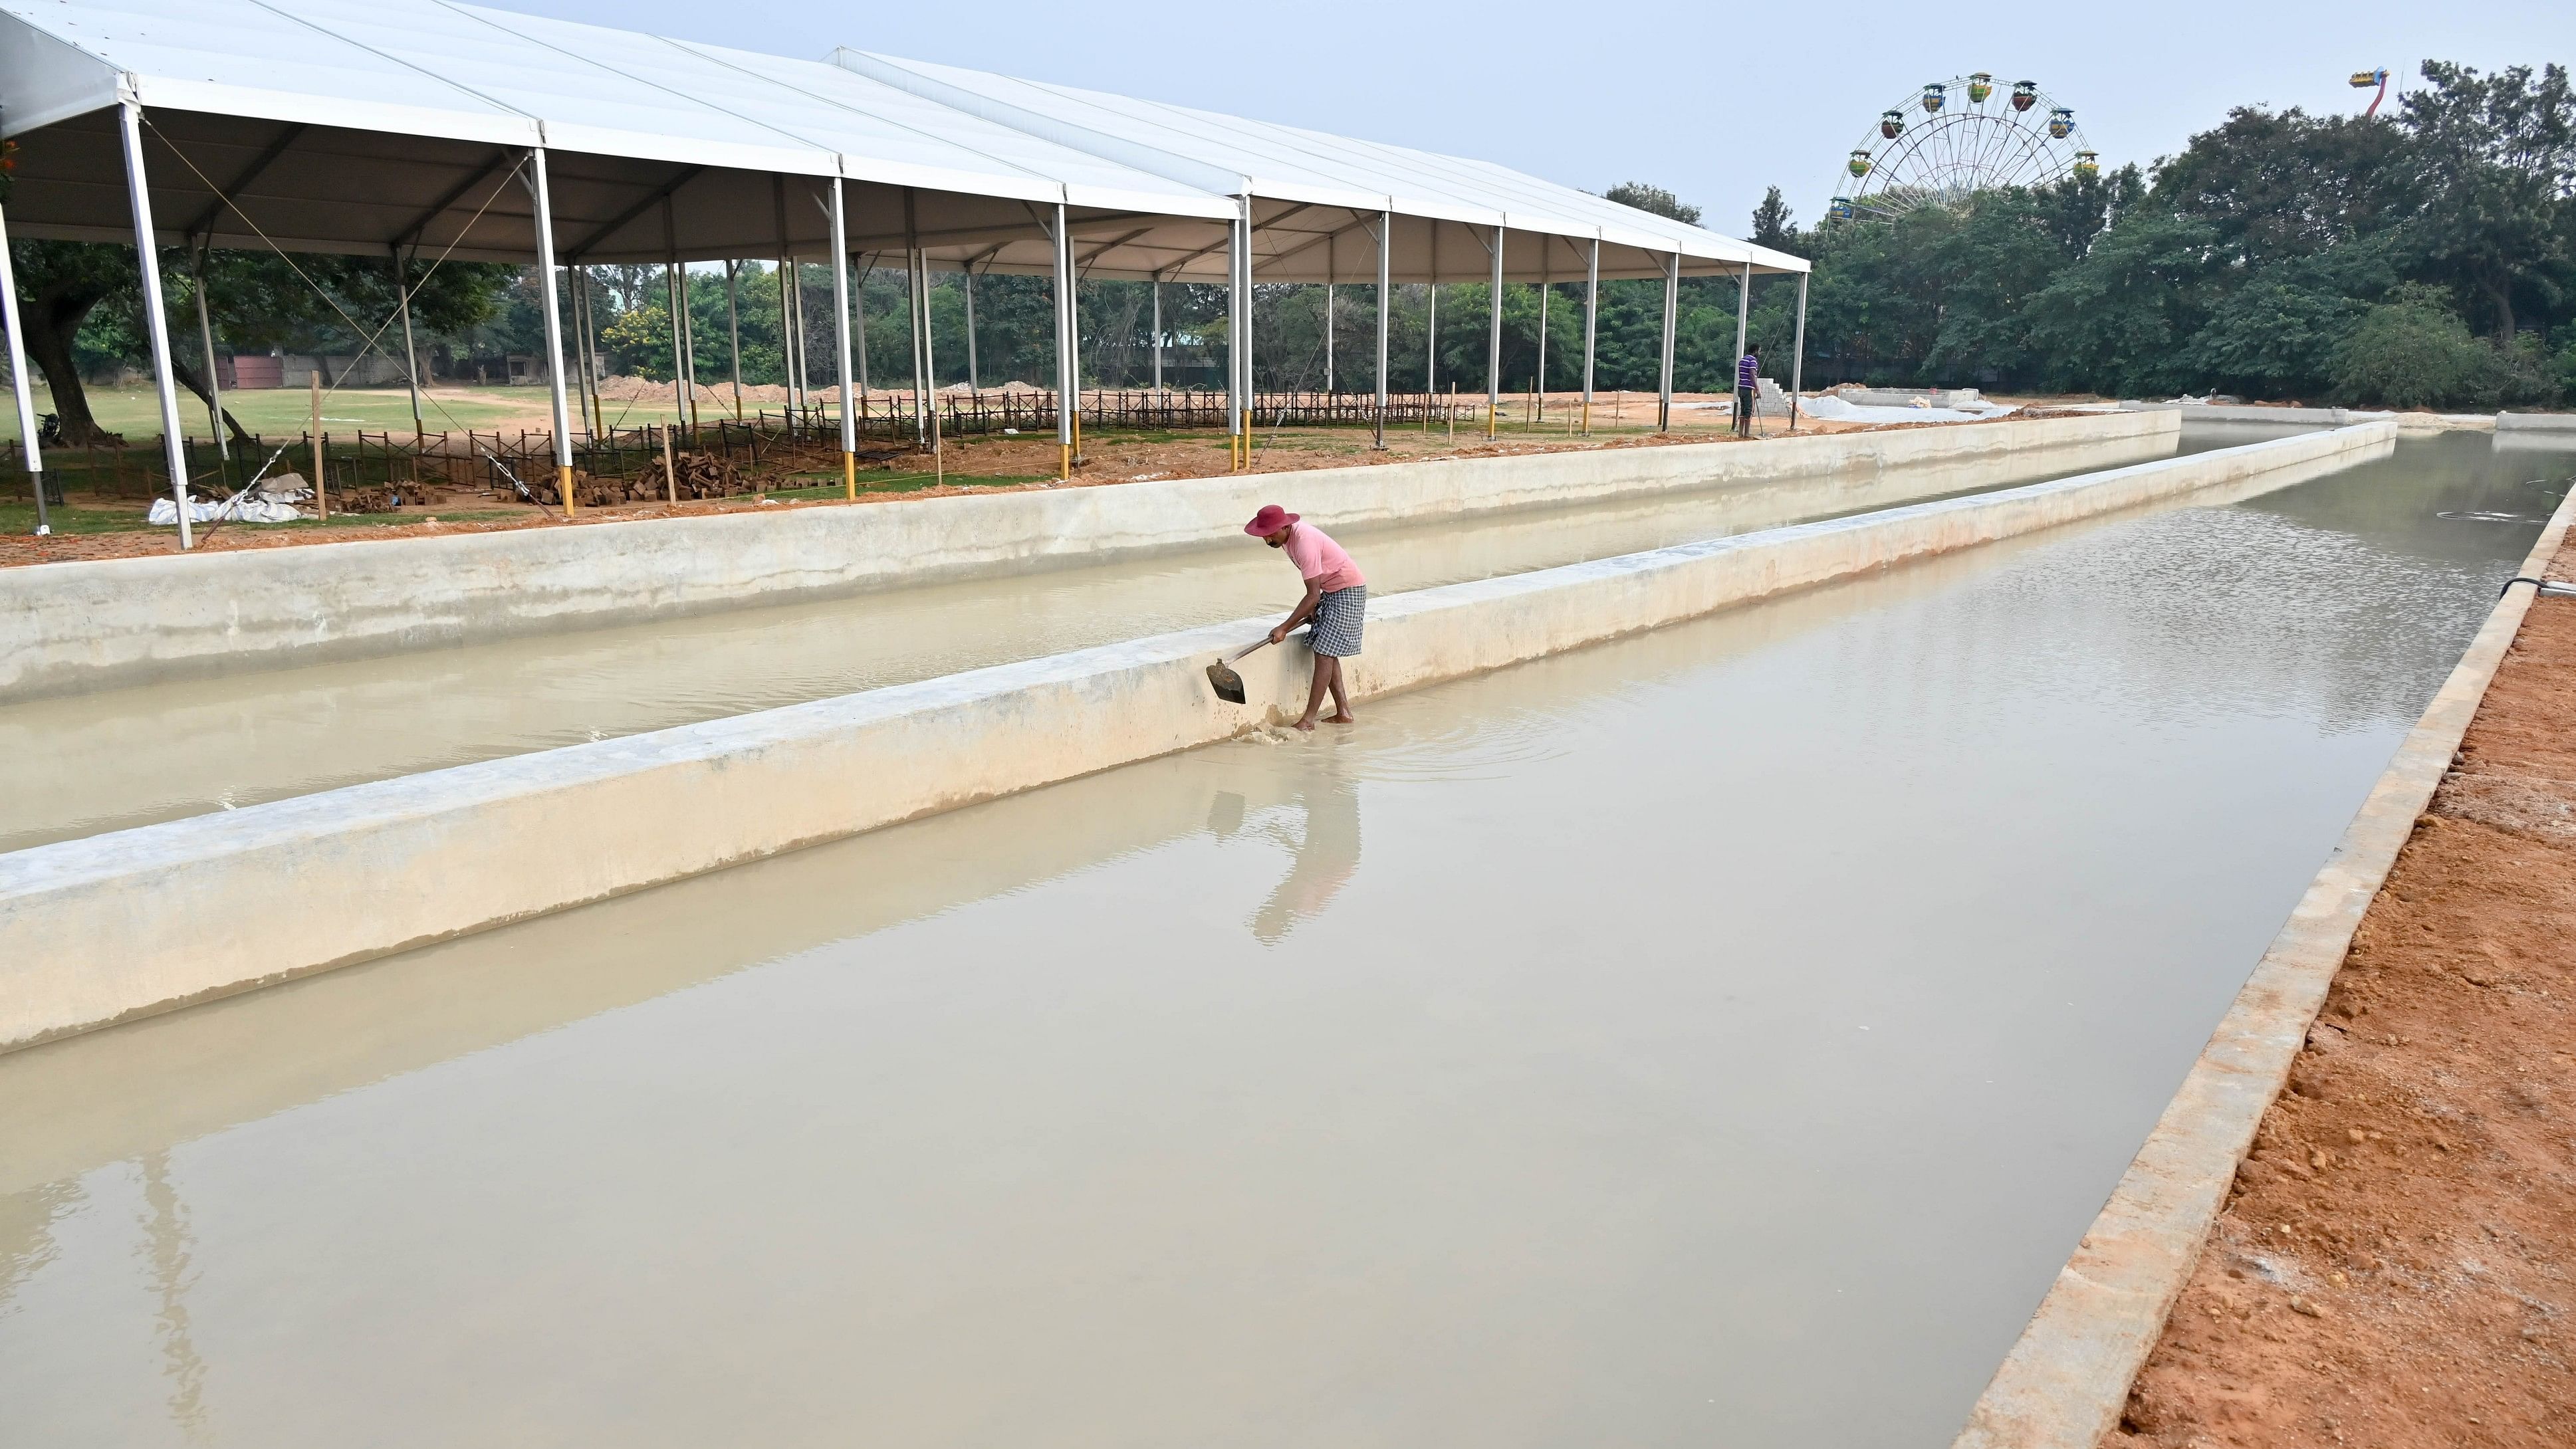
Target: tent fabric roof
[433,69]
[1236,155]
[358,125]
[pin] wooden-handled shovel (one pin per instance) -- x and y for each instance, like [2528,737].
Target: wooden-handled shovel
[1221,675]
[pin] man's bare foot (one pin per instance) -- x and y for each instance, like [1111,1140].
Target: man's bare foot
[1343,718]
[1307,724]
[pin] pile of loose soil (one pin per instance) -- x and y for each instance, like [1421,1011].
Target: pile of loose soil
[2396,1266]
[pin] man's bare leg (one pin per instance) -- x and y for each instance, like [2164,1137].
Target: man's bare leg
[1341,702]
[1324,664]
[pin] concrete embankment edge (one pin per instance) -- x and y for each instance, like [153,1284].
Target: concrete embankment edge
[119,622]
[2065,1381]
[2411,424]
[112,926]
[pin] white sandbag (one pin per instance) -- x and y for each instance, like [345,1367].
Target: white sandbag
[165,513]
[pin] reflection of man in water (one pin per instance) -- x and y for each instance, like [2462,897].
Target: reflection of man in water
[1327,854]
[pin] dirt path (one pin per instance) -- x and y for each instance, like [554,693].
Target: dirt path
[2396,1266]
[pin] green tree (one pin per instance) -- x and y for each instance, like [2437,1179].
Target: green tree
[85,299]
[2414,352]
[1772,226]
[1652,198]
[2118,319]
[2497,155]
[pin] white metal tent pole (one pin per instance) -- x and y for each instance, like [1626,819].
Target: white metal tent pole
[733,328]
[20,386]
[1494,340]
[929,359]
[585,321]
[788,374]
[1743,314]
[1385,306]
[974,377]
[1235,401]
[916,307]
[795,294]
[689,345]
[1431,338]
[1798,354]
[1329,389]
[554,330]
[577,282]
[411,350]
[1158,336]
[671,305]
[1538,388]
[859,321]
[1591,327]
[147,257]
[841,344]
[1243,334]
[921,328]
[1064,374]
[1431,330]
[916,301]
[1072,339]
[214,388]
[1672,304]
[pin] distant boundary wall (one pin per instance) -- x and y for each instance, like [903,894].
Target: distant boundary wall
[113,926]
[117,622]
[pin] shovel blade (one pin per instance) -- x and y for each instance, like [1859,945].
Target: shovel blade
[1227,684]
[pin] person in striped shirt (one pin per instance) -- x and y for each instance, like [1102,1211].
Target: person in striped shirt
[1748,369]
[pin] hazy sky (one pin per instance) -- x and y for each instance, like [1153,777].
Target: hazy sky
[1715,102]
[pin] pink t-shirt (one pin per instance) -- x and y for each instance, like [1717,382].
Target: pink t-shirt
[1319,559]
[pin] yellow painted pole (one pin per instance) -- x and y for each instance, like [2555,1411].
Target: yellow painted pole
[849,476]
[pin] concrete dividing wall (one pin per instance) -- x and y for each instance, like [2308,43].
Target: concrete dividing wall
[106,624]
[2067,1378]
[2408,423]
[137,921]
[2563,424]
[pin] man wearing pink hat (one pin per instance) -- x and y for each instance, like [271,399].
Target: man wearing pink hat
[1336,599]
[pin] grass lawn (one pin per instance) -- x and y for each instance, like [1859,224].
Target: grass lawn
[19,519]
[136,411]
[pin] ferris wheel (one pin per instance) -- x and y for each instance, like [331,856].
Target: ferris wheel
[1970,135]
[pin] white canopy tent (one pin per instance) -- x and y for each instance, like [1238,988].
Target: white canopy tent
[427,129]
[1325,208]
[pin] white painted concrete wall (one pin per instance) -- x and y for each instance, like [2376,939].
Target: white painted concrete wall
[118,622]
[137,921]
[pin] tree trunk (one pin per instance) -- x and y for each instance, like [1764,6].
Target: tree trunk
[53,320]
[2503,295]
[194,382]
